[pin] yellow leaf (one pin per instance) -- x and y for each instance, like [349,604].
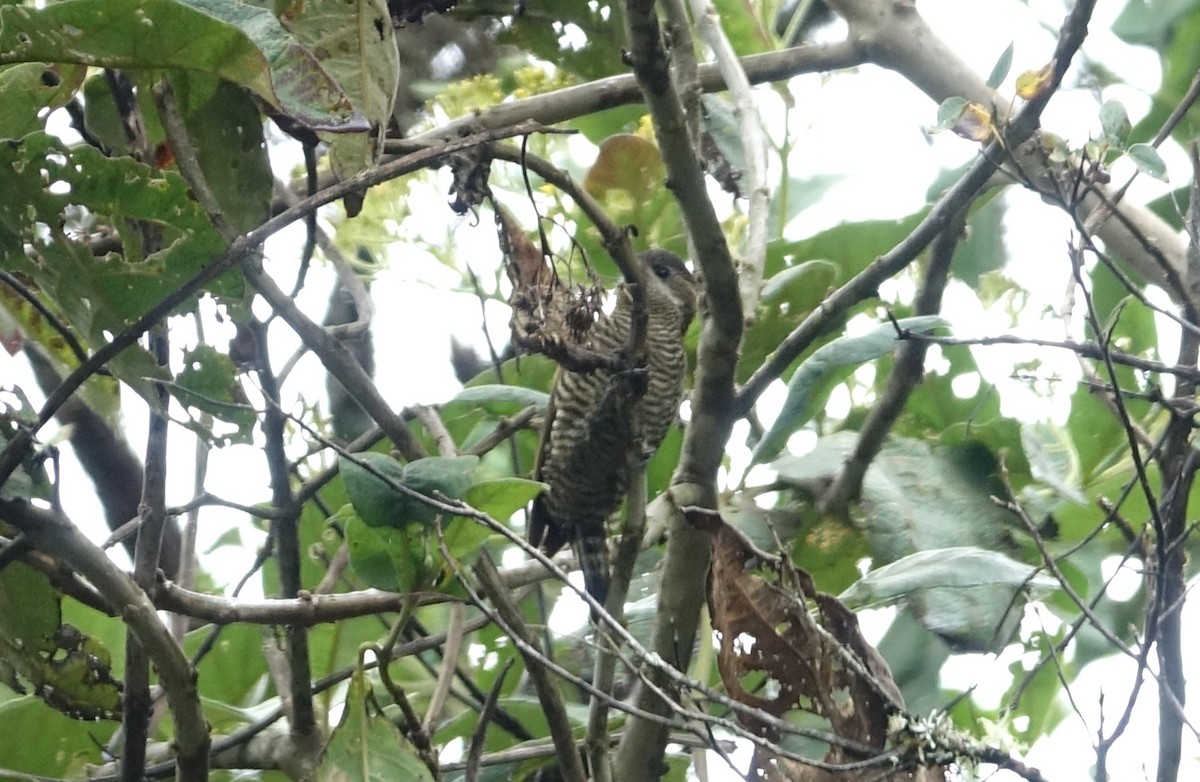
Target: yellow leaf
[1032,84]
[975,123]
[628,167]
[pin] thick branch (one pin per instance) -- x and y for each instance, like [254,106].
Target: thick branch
[583,99]
[894,36]
[682,590]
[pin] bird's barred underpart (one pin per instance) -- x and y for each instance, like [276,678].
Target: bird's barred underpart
[598,421]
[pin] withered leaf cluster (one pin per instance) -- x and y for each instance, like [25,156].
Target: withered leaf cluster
[796,653]
[549,315]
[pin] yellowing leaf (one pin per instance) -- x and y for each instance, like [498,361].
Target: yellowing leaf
[628,164]
[975,123]
[1032,84]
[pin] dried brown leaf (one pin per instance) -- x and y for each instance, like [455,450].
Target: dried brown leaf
[802,648]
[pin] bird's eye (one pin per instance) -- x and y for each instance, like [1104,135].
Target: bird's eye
[662,271]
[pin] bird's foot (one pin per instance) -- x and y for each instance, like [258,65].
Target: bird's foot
[633,382]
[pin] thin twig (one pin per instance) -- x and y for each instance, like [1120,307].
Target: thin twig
[569,762]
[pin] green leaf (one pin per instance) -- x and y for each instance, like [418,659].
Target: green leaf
[949,112]
[1096,434]
[808,280]
[662,464]
[1151,24]
[502,497]
[526,710]
[71,671]
[209,382]
[915,656]
[50,744]
[796,195]
[1052,459]
[917,498]
[394,559]
[498,400]
[984,249]
[234,668]
[379,504]
[29,612]
[787,299]
[849,246]
[367,747]
[1114,119]
[743,27]
[464,538]
[101,296]
[1175,33]
[1148,161]
[376,502]
[355,43]
[226,129]
[535,372]
[100,114]
[236,41]
[1001,68]
[827,366]
[725,157]
[956,567]
[28,88]
[1040,701]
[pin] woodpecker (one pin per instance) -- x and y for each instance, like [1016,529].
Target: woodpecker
[597,420]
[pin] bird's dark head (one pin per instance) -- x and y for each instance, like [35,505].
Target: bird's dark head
[669,269]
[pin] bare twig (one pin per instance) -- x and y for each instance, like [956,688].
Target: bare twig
[569,761]
[474,757]
[1179,464]
[454,637]
[906,373]
[754,254]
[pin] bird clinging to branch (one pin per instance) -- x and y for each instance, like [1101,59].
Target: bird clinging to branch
[597,420]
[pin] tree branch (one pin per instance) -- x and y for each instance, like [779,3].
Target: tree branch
[894,36]
[569,762]
[907,371]
[681,594]
[754,143]
[1179,464]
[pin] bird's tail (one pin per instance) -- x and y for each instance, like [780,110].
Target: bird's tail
[591,548]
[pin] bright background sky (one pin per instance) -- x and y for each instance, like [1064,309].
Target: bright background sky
[869,127]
